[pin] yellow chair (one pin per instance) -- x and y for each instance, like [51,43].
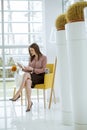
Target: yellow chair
[52,88]
[48,84]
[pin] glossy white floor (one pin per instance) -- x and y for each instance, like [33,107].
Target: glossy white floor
[13,116]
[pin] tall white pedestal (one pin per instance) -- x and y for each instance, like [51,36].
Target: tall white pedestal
[77,49]
[64,78]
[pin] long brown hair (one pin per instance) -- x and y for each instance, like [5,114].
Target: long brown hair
[37,50]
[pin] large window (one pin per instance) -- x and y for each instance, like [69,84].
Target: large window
[21,23]
[67,3]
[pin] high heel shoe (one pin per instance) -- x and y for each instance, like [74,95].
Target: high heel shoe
[12,99]
[28,109]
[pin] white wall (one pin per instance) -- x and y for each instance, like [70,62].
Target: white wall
[52,10]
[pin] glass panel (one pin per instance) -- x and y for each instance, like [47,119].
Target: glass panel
[1,62]
[0,40]
[0,16]
[1,88]
[36,27]
[15,17]
[16,28]
[1,75]
[14,39]
[15,53]
[10,85]
[34,16]
[66,4]
[12,56]
[0,24]
[24,5]
[0,5]
[14,5]
[35,5]
[1,65]
[0,27]
[22,26]
[37,38]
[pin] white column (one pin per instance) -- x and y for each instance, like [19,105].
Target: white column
[77,48]
[64,78]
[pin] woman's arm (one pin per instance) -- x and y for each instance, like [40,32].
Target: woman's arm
[28,69]
[42,69]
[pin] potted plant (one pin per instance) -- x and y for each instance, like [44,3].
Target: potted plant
[60,22]
[75,12]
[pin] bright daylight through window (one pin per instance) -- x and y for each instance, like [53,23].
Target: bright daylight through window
[21,23]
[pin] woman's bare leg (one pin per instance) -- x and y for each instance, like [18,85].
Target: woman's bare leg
[25,77]
[28,93]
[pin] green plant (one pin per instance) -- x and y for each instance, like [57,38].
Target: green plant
[75,12]
[60,22]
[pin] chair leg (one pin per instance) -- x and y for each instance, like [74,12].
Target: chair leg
[44,99]
[54,96]
[50,98]
[37,95]
[52,91]
[21,98]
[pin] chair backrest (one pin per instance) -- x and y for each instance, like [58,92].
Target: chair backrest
[49,78]
[54,71]
[50,67]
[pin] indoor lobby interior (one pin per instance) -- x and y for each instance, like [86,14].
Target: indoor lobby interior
[23,22]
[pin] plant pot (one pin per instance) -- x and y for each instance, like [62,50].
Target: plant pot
[64,78]
[77,50]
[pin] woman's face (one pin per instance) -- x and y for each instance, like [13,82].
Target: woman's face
[32,51]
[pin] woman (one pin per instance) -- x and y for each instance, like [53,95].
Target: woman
[34,73]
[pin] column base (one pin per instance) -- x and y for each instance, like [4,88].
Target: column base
[67,118]
[80,127]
